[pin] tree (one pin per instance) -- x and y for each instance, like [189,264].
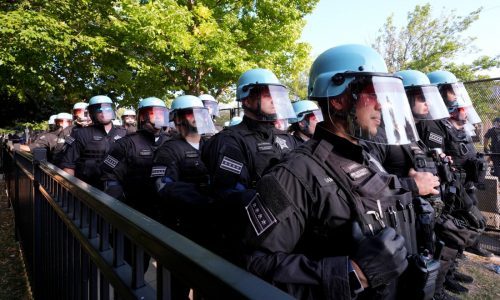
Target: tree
[427,44]
[129,49]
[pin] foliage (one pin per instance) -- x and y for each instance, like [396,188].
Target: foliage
[427,43]
[63,51]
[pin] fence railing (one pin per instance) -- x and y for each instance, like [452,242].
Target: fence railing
[80,243]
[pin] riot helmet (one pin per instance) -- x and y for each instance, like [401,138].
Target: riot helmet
[352,85]
[52,122]
[153,114]
[63,120]
[129,117]
[211,104]
[101,110]
[235,121]
[424,98]
[190,116]
[81,114]
[308,115]
[455,97]
[263,95]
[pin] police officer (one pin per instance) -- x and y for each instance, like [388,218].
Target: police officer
[181,176]
[308,115]
[129,121]
[322,223]
[80,117]
[427,106]
[450,135]
[87,147]
[53,140]
[126,169]
[492,146]
[237,157]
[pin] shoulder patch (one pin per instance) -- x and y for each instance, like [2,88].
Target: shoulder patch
[260,216]
[436,138]
[70,140]
[158,171]
[281,142]
[231,165]
[111,161]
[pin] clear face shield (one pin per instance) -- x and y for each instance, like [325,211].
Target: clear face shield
[281,124]
[63,123]
[426,103]
[102,113]
[129,120]
[157,116]
[81,115]
[195,120]
[455,94]
[269,103]
[380,111]
[213,107]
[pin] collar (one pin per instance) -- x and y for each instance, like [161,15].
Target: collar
[258,126]
[342,146]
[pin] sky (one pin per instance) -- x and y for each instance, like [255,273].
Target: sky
[335,23]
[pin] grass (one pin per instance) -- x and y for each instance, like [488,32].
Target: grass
[486,283]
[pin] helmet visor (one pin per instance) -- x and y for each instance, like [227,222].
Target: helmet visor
[203,121]
[455,95]
[426,103]
[380,111]
[281,124]
[156,115]
[102,113]
[213,107]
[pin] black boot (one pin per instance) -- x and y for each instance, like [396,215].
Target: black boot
[453,286]
[461,277]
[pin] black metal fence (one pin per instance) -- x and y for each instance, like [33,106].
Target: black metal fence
[74,239]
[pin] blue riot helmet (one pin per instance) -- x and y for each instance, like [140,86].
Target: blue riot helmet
[153,114]
[353,87]
[235,121]
[101,110]
[308,115]
[129,117]
[63,120]
[303,108]
[52,122]
[211,104]
[424,98]
[80,113]
[190,116]
[263,96]
[455,96]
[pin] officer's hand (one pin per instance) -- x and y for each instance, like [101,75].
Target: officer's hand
[382,257]
[426,182]
[115,191]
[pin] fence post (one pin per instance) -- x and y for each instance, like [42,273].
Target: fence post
[39,154]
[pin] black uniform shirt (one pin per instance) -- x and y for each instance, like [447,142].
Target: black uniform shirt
[86,150]
[303,243]
[241,153]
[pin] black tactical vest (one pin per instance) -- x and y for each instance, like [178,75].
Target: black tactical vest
[376,197]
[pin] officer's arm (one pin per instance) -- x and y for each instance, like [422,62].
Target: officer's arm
[71,153]
[165,170]
[273,236]
[114,169]
[486,141]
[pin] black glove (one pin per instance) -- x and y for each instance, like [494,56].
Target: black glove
[115,191]
[381,257]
